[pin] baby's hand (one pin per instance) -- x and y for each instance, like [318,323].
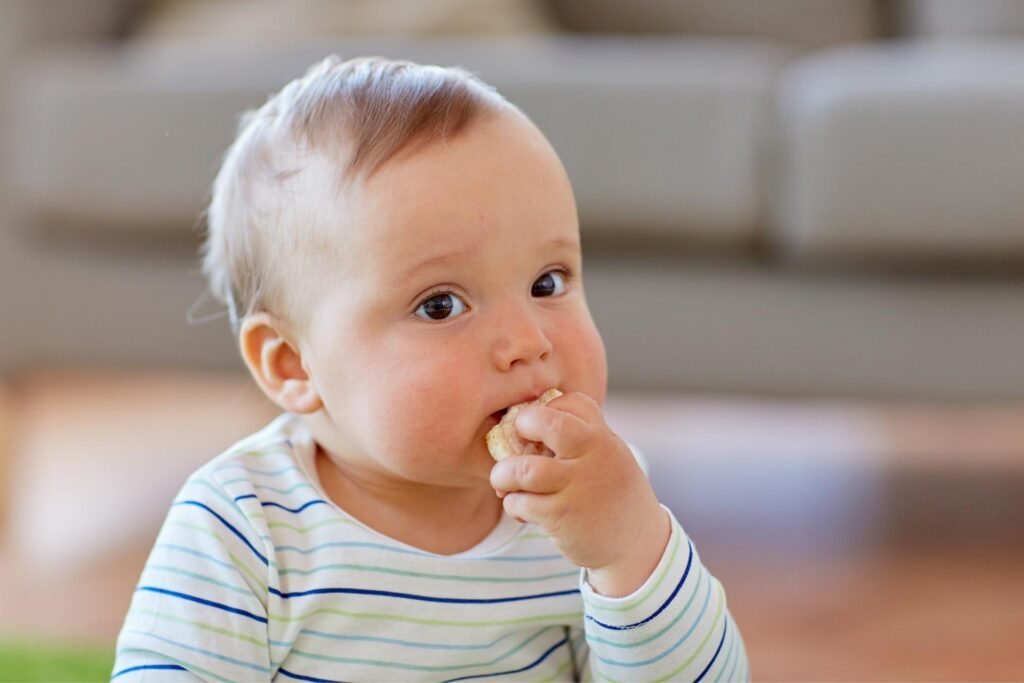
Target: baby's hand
[592,498]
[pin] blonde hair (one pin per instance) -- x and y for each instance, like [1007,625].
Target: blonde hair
[361,113]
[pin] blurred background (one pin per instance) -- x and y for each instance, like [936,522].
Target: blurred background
[803,229]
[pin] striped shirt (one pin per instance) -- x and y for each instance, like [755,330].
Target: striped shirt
[256,575]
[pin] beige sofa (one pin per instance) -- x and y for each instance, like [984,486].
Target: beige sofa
[818,197]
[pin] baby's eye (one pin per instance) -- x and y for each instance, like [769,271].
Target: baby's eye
[549,284]
[441,306]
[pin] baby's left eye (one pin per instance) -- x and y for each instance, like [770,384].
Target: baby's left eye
[549,284]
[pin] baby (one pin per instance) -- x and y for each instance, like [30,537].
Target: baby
[399,251]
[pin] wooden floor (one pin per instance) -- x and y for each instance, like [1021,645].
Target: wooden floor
[856,542]
[915,615]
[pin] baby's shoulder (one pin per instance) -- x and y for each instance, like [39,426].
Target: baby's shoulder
[257,460]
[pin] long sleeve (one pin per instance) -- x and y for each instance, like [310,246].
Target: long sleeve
[199,610]
[675,627]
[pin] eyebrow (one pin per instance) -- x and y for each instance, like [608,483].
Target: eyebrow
[448,257]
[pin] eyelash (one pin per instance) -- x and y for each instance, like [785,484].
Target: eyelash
[567,275]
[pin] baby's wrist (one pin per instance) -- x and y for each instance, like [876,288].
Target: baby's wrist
[627,574]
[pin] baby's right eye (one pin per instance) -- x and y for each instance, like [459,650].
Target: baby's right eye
[441,306]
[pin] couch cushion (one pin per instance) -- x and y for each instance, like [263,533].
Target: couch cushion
[808,23]
[906,152]
[949,18]
[658,135]
[279,21]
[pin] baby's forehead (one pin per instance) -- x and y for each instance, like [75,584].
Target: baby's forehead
[443,194]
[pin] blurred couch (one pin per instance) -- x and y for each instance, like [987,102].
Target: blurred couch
[816,197]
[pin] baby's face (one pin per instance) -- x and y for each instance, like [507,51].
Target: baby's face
[457,292]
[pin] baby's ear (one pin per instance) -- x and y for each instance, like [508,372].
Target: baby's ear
[276,365]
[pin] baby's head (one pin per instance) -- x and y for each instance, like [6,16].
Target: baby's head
[399,250]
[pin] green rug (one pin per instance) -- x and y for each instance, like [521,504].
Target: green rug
[35,661]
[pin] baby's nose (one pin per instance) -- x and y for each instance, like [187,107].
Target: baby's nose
[520,340]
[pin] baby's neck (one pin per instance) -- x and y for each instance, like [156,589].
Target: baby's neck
[445,522]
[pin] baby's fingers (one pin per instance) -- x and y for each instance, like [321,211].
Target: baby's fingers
[532,473]
[560,431]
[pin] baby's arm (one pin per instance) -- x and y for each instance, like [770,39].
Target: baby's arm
[676,626]
[652,611]
[199,611]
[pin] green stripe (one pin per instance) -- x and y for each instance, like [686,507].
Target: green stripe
[204,626]
[206,532]
[643,598]
[519,539]
[707,636]
[283,492]
[180,662]
[428,575]
[420,667]
[576,616]
[744,670]
[307,529]
[262,452]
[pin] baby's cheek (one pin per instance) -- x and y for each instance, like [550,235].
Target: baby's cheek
[588,363]
[428,410]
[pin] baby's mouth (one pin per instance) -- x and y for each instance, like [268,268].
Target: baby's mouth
[498,414]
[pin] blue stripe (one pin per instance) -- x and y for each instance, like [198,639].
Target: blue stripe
[278,505]
[190,551]
[523,558]
[299,677]
[540,659]
[689,563]
[207,653]
[225,522]
[364,591]
[708,667]
[203,601]
[149,667]
[422,598]
[671,648]
[728,658]
[296,510]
